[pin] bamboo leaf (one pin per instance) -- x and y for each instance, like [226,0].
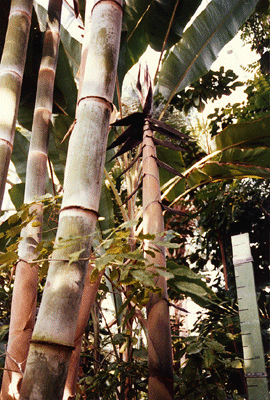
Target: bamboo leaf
[135,119]
[131,164]
[121,138]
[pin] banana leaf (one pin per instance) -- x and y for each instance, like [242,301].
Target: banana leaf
[201,43]
[239,151]
[146,23]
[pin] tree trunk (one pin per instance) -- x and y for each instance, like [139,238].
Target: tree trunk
[11,75]
[54,332]
[160,385]
[23,308]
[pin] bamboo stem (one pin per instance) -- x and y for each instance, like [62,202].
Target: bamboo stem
[23,308]
[160,386]
[88,298]
[54,332]
[11,75]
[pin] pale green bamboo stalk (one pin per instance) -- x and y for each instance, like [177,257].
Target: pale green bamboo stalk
[23,309]
[160,384]
[90,291]
[11,75]
[54,332]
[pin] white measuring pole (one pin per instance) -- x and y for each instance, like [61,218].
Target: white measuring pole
[254,364]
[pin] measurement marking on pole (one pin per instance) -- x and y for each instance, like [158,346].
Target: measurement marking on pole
[253,353]
[256,375]
[252,358]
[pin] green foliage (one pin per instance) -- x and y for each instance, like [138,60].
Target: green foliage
[231,208]
[10,232]
[211,86]
[210,370]
[239,151]
[256,32]
[256,106]
[112,379]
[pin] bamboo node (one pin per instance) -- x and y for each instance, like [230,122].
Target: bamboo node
[7,142]
[110,1]
[102,99]
[14,72]
[91,210]
[53,344]
[19,10]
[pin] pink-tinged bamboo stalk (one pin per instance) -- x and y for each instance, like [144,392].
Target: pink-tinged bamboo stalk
[23,308]
[54,332]
[11,75]
[160,386]
[88,298]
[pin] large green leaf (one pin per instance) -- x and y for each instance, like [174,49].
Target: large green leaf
[64,81]
[193,56]
[146,23]
[134,41]
[158,20]
[188,283]
[241,150]
[249,134]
